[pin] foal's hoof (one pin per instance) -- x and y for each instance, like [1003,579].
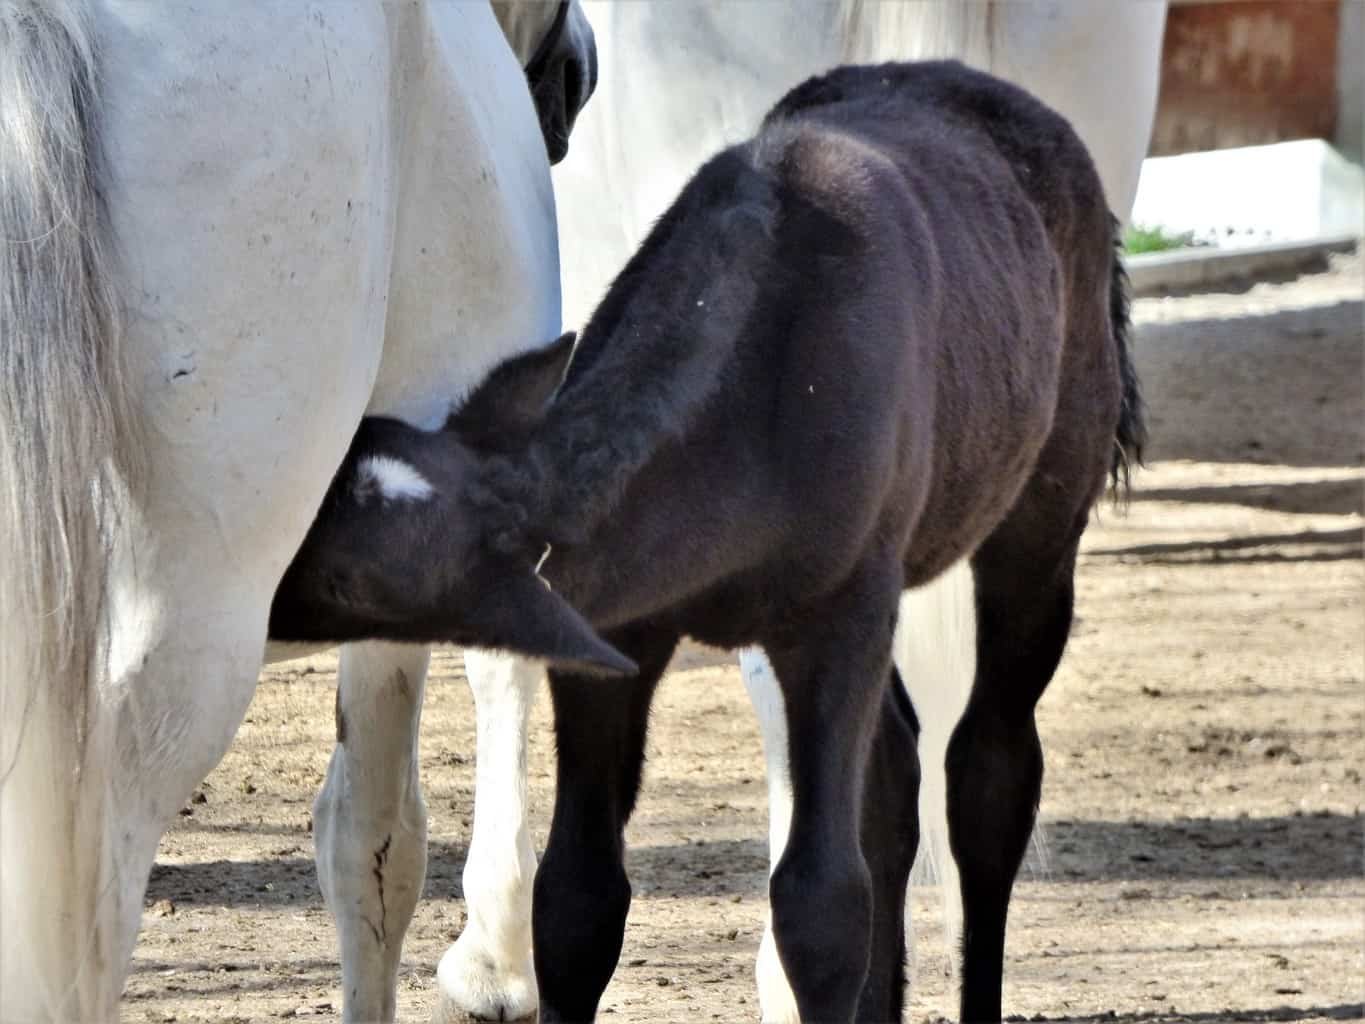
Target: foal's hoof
[470,983]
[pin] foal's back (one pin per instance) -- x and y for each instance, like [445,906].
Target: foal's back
[951,253]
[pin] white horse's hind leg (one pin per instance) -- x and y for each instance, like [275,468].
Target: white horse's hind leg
[157,730]
[168,735]
[775,998]
[175,680]
[935,654]
[488,972]
[370,823]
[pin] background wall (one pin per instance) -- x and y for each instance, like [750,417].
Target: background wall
[1351,81]
[1247,72]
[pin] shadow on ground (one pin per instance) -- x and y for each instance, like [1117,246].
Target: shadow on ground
[1311,497]
[1340,1011]
[1301,546]
[1277,388]
[1308,848]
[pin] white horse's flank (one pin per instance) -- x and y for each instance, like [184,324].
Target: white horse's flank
[224,236]
[701,76]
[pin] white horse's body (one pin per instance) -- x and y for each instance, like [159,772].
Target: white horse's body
[298,216]
[679,81]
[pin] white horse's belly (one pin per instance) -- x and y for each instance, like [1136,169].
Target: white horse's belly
[316,217]
[475,274]
[708,74]
[1097,65]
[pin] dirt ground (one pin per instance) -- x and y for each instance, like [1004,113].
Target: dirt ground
[1203,737]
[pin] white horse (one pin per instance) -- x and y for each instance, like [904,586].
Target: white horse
[226,233]
[679,81]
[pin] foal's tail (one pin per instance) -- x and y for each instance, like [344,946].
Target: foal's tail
[1131,435]
[65,444]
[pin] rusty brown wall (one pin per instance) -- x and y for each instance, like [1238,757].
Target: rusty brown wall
[1245,72]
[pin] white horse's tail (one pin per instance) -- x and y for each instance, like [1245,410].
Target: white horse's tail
[66,451]
[874,31]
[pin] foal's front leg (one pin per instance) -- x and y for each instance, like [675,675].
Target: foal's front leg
[581,890]
[821,891]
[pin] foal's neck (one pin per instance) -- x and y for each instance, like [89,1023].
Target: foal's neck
[646,364]
[642,393]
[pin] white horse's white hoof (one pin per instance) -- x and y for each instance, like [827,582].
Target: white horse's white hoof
[471,983]
[775,998]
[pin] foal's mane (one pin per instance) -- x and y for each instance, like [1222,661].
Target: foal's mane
[648,359]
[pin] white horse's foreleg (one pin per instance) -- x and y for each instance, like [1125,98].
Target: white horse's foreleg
[775,998]
[370,823]
[488,972]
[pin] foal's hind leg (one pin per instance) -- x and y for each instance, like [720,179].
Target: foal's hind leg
[832,675]
[995,759]
[890,837]
[370,822]
[581,890]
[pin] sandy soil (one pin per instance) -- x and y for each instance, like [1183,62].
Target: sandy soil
[1203,796]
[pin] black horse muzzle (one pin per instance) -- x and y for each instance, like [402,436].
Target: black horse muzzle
[562,75]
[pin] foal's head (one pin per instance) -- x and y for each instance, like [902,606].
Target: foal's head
[402,547]
[437,537]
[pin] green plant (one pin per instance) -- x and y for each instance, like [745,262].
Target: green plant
[1142,238]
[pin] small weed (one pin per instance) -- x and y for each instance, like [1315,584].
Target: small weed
[1141,238]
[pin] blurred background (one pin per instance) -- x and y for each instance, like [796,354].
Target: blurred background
[1258,132]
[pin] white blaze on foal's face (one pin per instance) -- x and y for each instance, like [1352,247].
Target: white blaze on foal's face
[392,478]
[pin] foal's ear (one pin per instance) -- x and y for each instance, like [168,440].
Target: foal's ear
[514,397]
[521,614]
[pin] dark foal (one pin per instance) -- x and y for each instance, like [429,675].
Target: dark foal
[886,334]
